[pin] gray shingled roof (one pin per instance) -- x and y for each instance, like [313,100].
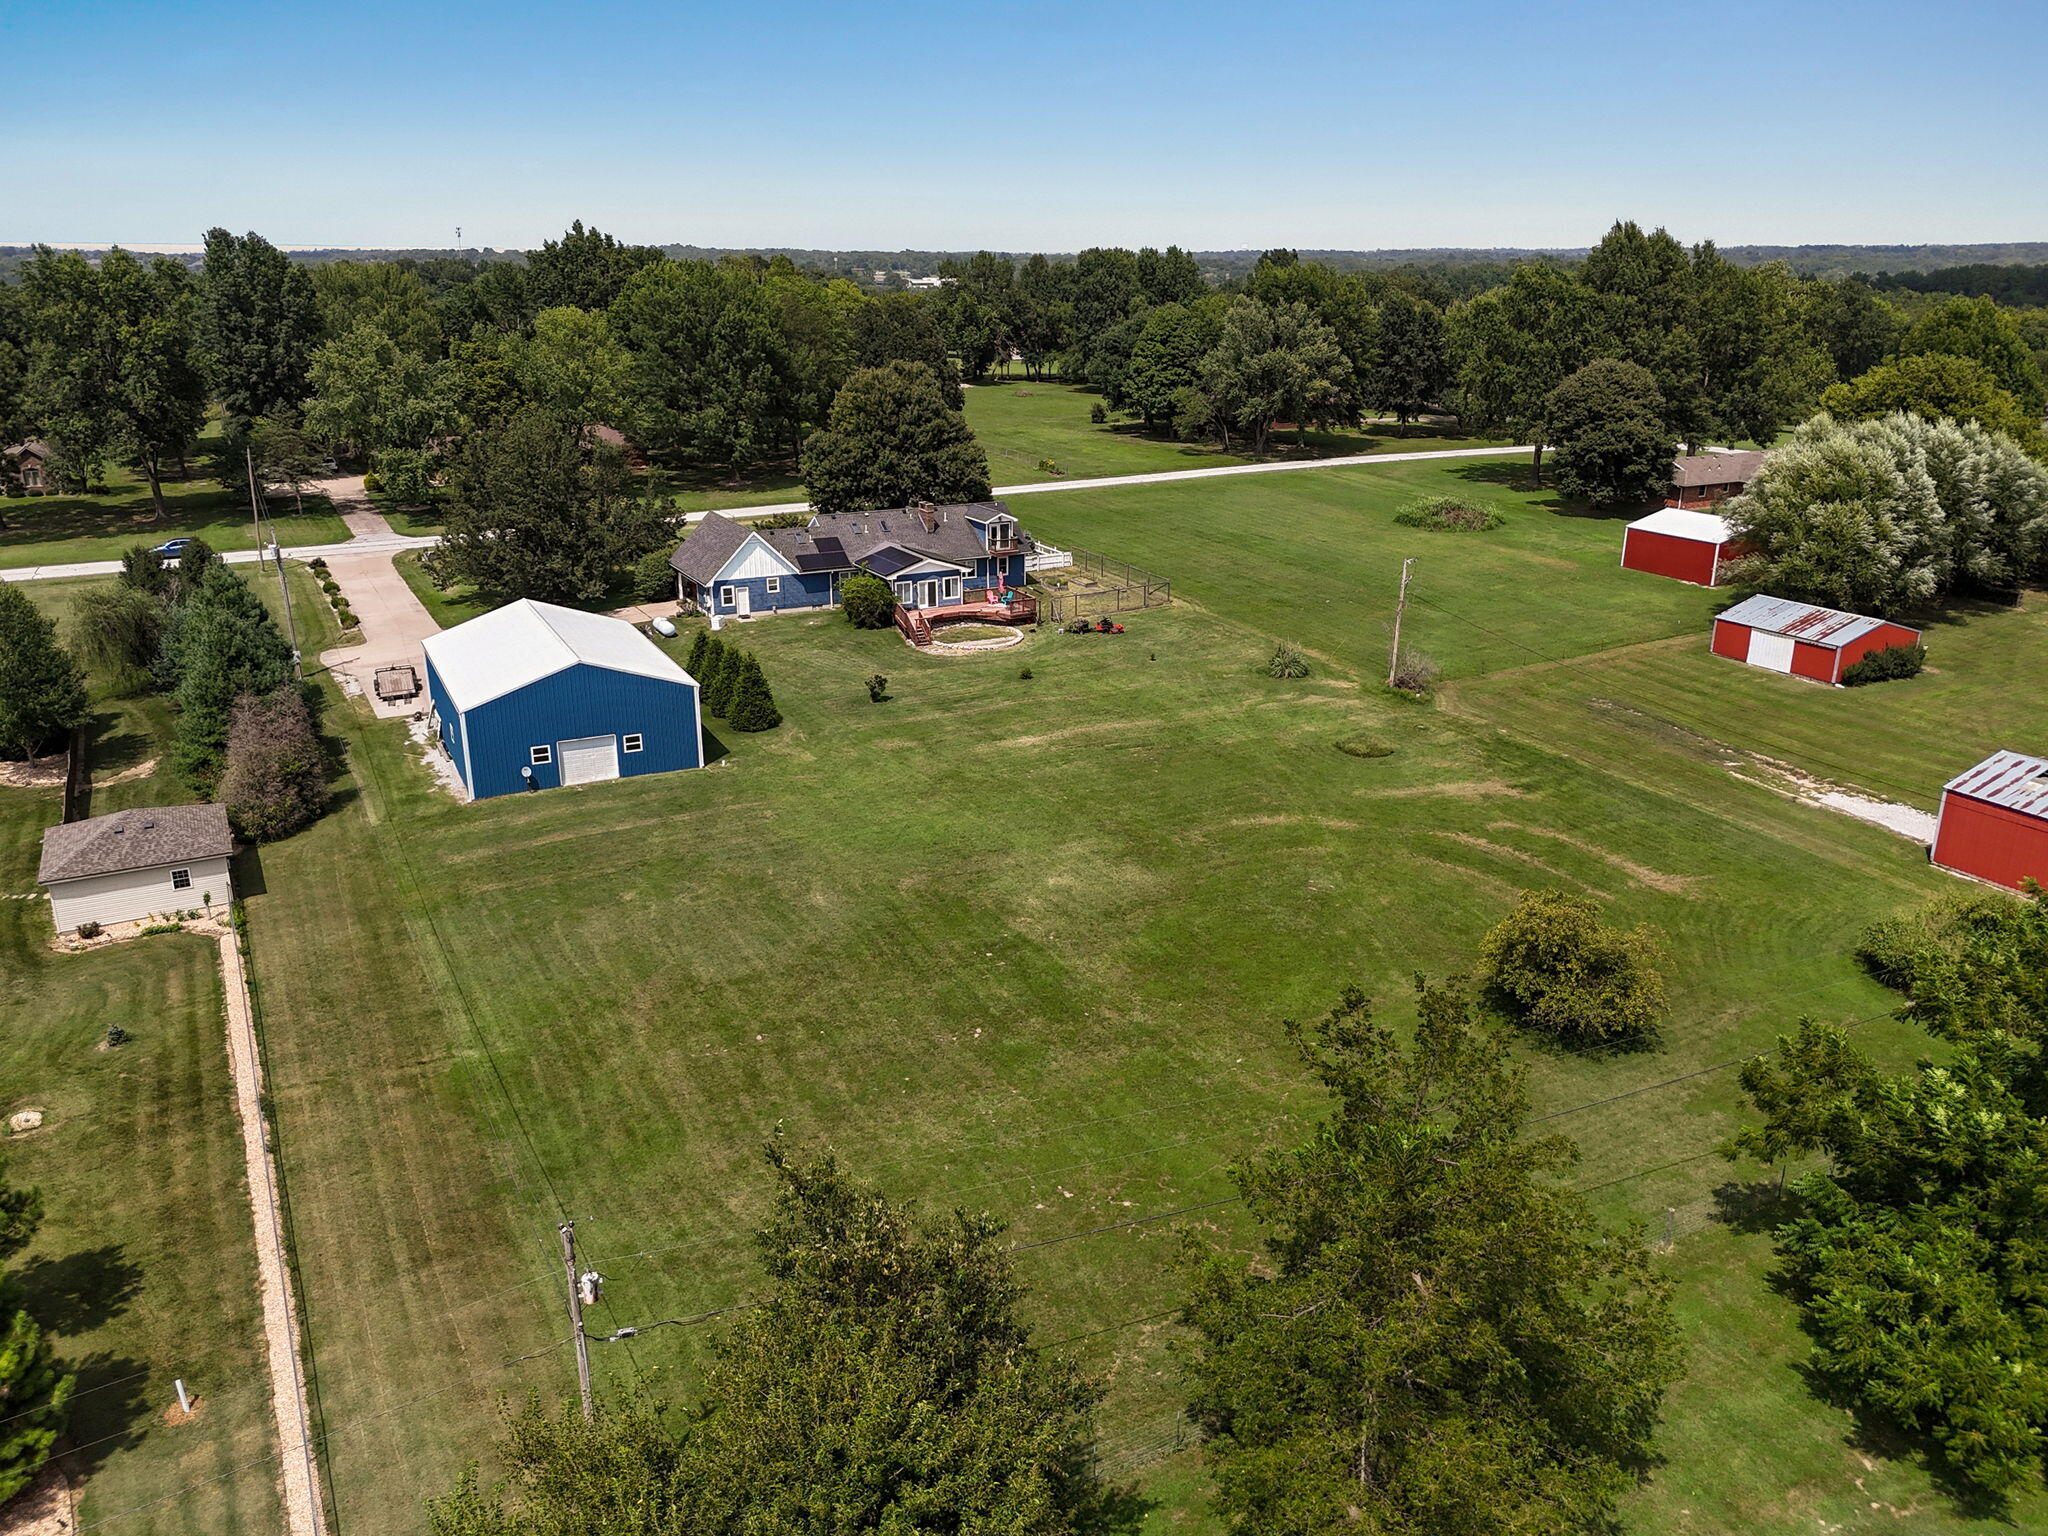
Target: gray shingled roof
[842,540]
[145,839]
[1695,469]
[711,543]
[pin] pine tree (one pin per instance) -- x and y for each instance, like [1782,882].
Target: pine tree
[35,1396]
[751,707]
[699,648]
[227,646]
[716,682]
[42,691]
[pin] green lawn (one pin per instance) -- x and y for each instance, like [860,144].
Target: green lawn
[1025,945]
[62,530]
[144,1268]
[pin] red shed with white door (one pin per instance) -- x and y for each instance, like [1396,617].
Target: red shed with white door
[1994,820]
[1818,643]
[1680,543]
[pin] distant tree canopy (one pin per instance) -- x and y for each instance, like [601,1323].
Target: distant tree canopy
[890,440]
[585,269]
[1435,1336]
[1979,330]
[1887,515]
[1932,386]
[259,320]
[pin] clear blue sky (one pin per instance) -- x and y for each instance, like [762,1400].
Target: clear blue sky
[1044,125]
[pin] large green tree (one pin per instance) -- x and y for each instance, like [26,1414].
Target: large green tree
[42,691]
[370,393]
[572,366]
[1409,365]
[1935,385]
[1167,358]
[906,328]
[1435,1338]
[1277,363]
[883,1383]
[535,511]
[1916,1251]
[259,321]
[1986,333]
[1614,446]
[585,269]
[35,1395]
[1518,342]
[890,440]
[227,646]
[384,294]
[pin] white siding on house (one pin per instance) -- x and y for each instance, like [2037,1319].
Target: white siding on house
[756,557]
[137,893]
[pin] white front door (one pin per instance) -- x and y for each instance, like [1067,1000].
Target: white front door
[743,598]
[588,760]
[1772,651]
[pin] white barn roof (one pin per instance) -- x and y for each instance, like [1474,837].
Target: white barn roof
[504,650]
[1683,523]
[2011,779]
[1803,621]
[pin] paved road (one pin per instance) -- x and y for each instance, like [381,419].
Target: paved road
[388,543]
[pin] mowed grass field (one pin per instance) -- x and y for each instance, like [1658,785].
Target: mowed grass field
[1025,945]
[144,1270]
[64,530]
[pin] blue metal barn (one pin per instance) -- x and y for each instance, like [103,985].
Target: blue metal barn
[532,696]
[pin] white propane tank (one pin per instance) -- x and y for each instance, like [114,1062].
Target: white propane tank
[665,628]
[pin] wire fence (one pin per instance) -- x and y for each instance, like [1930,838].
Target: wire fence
[1092,585]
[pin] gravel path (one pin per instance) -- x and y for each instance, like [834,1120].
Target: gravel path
[299,1473]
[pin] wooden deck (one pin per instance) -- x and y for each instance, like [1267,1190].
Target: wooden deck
[917,625]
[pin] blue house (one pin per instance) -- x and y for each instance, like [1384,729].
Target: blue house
[531,696]
[934,556]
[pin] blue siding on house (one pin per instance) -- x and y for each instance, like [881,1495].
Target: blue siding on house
[810,590]
[579,701]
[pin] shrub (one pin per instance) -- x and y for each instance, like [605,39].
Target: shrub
[1447,514]
[162,928]
[878,688]
[330,586]
[275,781]
[1287,661]
[868,601]
[317,563]
[1049,467]
[1364,746]
[1024,676]
[406,475]
[119,629]
[1894,661]
[1077,626]
[89,929]
[654,579]
[782,520]
[1416,673]
[372,485]
[346,616]
[116,1035]
[1097,414]
[1557,968]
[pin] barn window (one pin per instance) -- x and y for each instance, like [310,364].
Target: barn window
[181,879]
[635,742]
[774,585]
[540,757]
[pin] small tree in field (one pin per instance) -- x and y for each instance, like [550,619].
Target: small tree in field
[275,781]
[750,706]
[715,681]
[1559,969]
[119,630]
[699,647]
[868,602]
[42,691]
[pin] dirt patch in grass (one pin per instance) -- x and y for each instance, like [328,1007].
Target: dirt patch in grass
[1493,885]
[1067,734]
[36,773]
[1642,874]
[1461,789]
[1328,823]
[1501,850]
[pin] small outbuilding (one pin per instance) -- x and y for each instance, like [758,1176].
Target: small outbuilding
[1780,635]
[532,696]
[1994,821]
[136,864]
[1708,479]
[1682,544]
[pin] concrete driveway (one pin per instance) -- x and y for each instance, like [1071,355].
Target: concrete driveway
[394,622]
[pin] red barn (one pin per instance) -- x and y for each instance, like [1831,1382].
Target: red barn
[1679,543]
[1817,643]
[1994,820]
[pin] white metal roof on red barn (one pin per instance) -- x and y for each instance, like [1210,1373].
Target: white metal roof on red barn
[2011,779]
[1685,523]
[1802,621]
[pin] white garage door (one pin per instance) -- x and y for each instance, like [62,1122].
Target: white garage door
[590,759]
[1773,651]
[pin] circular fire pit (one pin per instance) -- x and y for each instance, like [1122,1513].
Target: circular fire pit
[967,637]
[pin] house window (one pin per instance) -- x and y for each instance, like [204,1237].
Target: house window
[540,757]
[31,477]
[725,599]
[181,879]
[774,585]
[635,742]
[905,591]
[952,589]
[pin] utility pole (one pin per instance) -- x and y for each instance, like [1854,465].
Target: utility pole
[283,589]
[568,1230]
[1394,658]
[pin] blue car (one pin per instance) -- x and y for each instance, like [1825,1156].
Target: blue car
[170,549]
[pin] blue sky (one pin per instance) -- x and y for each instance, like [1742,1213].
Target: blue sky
[1020,126]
